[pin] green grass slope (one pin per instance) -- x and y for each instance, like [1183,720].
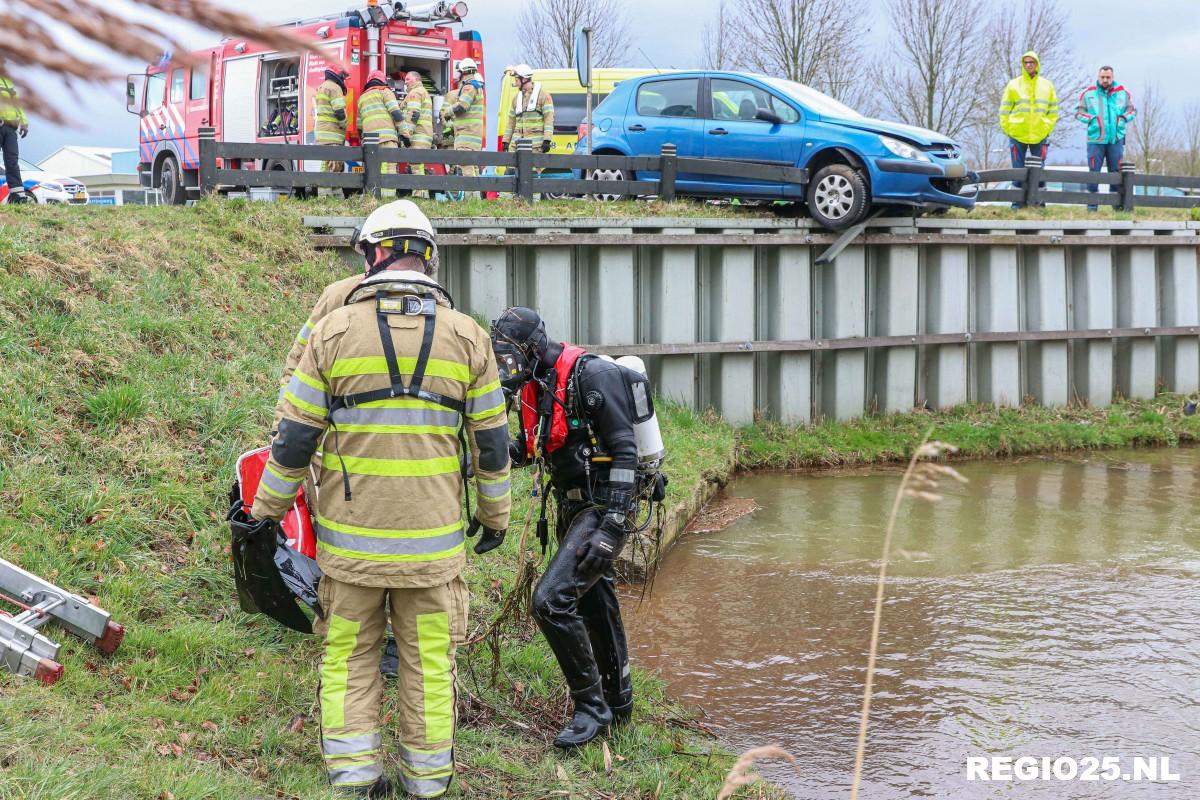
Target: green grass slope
[140,354]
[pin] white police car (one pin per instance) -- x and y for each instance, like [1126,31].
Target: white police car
[44,187]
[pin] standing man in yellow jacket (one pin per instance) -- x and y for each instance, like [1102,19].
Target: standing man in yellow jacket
[379,112]
[394,374]
[416,127]
[466,113]
[1028,113]
[13,124]
[330,108]
[532,113]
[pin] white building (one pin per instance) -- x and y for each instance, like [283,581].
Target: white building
[110,173]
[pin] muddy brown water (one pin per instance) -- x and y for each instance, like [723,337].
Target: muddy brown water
[1049,608]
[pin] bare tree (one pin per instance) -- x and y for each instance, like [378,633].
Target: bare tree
[931,75]
[1151,136]
[816,42]
[547,31]
[1189,161]
[31,38]
[718,41]
[1042,26]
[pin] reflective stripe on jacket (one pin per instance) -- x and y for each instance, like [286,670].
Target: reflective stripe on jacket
[1105,113]
[418,117]
[375,107]
[403,526]
[530,120]
[329,101]
[10,110]
[1029,107]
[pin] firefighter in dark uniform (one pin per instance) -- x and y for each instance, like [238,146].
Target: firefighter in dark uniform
[584,431]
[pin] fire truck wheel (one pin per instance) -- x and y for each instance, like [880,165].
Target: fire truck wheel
[171,182]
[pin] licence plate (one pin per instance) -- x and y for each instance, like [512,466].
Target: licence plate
[356,169]
[79,195]
[956,171]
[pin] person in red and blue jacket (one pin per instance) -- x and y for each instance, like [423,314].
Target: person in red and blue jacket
[1106,109]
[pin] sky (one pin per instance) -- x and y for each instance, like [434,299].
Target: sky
[1156,40]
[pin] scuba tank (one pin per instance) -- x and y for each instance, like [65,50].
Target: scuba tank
[646,432]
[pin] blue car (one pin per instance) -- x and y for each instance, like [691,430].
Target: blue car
[853,162]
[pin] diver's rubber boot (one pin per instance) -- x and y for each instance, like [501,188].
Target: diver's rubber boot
[592,718]
[621,707]
[389,662]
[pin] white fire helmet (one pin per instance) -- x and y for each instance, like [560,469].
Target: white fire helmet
[523,71]
[467,65]
[403,227]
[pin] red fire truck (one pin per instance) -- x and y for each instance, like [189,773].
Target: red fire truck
[249,93]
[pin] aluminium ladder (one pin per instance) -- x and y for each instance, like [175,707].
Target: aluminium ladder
[23,649]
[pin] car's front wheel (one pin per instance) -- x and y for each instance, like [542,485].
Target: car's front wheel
[837,196]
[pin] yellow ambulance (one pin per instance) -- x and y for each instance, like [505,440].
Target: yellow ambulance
[570,101]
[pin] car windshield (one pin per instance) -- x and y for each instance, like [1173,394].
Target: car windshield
[24,165]
[812,99]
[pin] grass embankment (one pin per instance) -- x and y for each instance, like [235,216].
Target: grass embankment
[977,431]
[141,350]
[508,208]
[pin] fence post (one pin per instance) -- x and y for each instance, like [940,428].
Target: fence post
[1128,171]
[666,173]
[206,142]
[525,170]
[1033,176]
[371,163]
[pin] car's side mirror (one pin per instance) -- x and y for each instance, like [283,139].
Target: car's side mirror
[133,98]
[767,115]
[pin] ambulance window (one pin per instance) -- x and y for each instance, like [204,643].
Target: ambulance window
[177,86]
[199,87]
[155,86]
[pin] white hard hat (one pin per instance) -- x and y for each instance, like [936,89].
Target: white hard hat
[468,65]
[523,71]
[402,226]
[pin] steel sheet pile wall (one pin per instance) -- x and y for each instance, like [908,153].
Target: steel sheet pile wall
[737,314]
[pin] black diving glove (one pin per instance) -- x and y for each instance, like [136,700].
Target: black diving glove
[546,145]
[596,555]
[491,538]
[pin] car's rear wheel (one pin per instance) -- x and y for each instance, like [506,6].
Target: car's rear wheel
[606,175]
[837,196]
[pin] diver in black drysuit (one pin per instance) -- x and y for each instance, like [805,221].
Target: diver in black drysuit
[575,603]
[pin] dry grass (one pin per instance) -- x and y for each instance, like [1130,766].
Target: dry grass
[920,482]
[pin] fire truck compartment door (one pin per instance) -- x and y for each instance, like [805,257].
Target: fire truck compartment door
[419,51]
[434,61]
[240,108]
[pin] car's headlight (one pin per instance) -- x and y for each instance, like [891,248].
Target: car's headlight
[903,149]
[52,187]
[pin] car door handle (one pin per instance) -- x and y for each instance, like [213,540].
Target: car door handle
[718,132]
[637,127]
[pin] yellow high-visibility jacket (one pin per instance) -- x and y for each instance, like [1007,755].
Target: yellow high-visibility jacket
[1029,108]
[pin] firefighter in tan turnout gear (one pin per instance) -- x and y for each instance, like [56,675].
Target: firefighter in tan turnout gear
[379,112]
[329,107]
[465,114]
[385,388]
[532,113]
[416,126]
